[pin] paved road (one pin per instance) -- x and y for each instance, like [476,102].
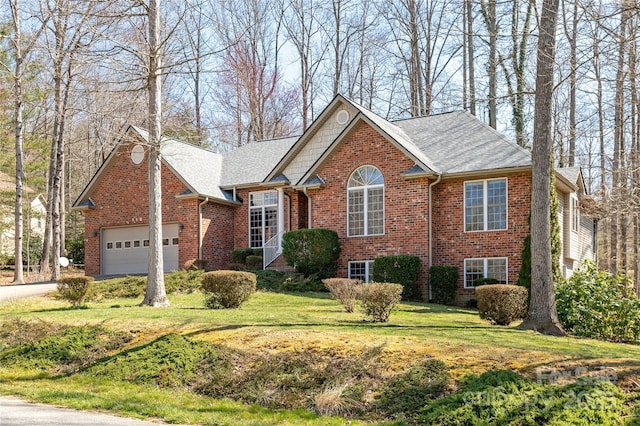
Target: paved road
[13,292]
[16,412]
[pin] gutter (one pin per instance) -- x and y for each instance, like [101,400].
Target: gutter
[206,200]
[431,185]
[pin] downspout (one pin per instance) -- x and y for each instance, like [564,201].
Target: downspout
[306,193]
[431,185]
[206,200]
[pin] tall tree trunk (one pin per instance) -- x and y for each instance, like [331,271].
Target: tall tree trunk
[493,63]
[542,314]
[18,276]
[572,34]
[472,78]
[605,260]
[155,294]
[617,218]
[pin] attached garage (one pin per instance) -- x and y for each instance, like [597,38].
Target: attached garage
[125,250]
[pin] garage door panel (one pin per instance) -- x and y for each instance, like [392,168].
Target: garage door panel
[126,250]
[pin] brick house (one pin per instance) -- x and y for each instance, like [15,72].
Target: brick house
[446,188]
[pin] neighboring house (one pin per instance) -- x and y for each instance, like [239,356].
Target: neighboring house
[446,188]
[34,216]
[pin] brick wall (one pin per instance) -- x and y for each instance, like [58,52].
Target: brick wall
[452,245]
[407,210]
[406,202]
[217,234]
[121,198]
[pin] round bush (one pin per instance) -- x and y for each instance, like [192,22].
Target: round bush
[74,289]
[377,300]
[227,289]
[343,289]
[502,303]
[312,251]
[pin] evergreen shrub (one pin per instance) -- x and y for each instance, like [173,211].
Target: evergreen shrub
[254,262]
[74,289]
[443,281]
[239,255]
[502,303]
[401,269]
[312,251]
[227,289]
[408,392]
[599,304]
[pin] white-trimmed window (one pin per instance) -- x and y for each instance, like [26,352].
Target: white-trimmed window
[361,270]
[491,267]
[485,205]
[575,215]
[365,202]
[263,217]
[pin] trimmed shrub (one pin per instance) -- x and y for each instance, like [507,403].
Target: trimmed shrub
[74,289]
[345,290]
[444,283]
[239,255]
[406,393]
[258,252]
[599,304]
[502,303]
[299,283]
[401,269]
[312,251]
[227,289]
[377,300]
[484,281]
[254,262]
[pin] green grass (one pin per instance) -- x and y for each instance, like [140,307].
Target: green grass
[287,326]
[317,312]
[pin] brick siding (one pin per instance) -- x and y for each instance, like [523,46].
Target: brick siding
[121,198]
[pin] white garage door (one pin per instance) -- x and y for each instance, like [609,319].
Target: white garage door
[126,250]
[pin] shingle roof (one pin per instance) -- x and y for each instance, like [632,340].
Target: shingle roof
[252,163]
[398,134]
[199,167]
[450,143]
[570,173]
[458,142]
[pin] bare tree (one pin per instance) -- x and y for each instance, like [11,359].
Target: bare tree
[20,50]
[470,55]
[69,32]
[542,314]
[518,55]
[155,294]
[303,32]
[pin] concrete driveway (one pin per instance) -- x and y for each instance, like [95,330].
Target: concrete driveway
[16,412]
[14,292]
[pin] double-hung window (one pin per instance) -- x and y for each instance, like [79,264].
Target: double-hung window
[263,217]
[361,270]
[365,202]
[485,205]
[493,267]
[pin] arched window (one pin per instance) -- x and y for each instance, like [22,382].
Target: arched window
[365,202]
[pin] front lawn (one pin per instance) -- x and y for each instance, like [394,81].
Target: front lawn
[282,357]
